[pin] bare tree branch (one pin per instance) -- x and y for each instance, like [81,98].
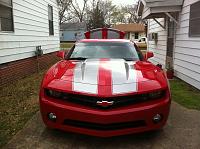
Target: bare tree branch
[79,13]
[63,7]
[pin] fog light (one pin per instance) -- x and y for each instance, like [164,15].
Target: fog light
[52,116]
[157,118]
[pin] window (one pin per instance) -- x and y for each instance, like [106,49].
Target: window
[136,35]
[194,29]
[6,15]
[98,50]
[50,16]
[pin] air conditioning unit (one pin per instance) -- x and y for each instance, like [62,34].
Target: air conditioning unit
[153,37]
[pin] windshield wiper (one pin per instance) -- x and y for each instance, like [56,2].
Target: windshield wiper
[77,58]
[129,59]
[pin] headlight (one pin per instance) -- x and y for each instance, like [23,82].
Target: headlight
[156,95]
[53,93]
[152,95]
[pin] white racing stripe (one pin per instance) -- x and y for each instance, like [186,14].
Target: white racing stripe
[123,74]
[86,77]
[124,77]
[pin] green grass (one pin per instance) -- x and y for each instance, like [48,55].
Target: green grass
[66,46]
[18,103]
[185,94]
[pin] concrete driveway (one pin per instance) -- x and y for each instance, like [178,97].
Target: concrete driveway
[181,132]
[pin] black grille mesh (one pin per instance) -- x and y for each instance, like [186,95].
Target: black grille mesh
[118,101]
[97,126]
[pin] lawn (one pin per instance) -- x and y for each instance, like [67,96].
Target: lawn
[18,103]
[185,94]
[66,46]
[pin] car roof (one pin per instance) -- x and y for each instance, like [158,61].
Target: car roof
[104,40]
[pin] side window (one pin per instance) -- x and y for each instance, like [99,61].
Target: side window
[194,29]
[6,15]
[50,17]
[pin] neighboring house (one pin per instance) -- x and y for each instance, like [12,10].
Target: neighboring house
[175,28]
[70,32]
[27,25]
[133,31]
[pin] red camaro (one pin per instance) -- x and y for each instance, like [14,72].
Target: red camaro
[105,87]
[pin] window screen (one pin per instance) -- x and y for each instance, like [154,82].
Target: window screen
[194,29]
[6,15]
[50,16]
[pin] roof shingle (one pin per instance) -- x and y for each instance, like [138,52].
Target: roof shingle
[133,27]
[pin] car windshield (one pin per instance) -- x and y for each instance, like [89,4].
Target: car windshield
[122,50]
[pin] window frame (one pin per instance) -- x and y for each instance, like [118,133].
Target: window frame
[191,34]
[51,30]
[12,17]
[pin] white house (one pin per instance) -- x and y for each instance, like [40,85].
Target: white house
[71,32]
[175,28]
[25,25]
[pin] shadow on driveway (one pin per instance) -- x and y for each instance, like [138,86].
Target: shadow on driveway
[182,131]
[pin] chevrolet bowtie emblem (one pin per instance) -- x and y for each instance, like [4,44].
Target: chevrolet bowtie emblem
[105,103]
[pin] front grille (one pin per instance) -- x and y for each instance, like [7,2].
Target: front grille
[118,101]
[97,126]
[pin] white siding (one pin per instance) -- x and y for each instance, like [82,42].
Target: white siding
[31,29]
[140,34]
[187,50]
[158,48]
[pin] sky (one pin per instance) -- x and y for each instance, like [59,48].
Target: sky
[116,2]
[124,2]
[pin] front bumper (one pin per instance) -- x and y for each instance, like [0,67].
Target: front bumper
[104,123]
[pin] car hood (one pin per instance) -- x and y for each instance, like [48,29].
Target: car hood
[112,76]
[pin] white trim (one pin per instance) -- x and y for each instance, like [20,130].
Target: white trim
[163,26]
[171,17]
[158,7]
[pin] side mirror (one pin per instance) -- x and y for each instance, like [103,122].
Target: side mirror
[61,54]
[148,55]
